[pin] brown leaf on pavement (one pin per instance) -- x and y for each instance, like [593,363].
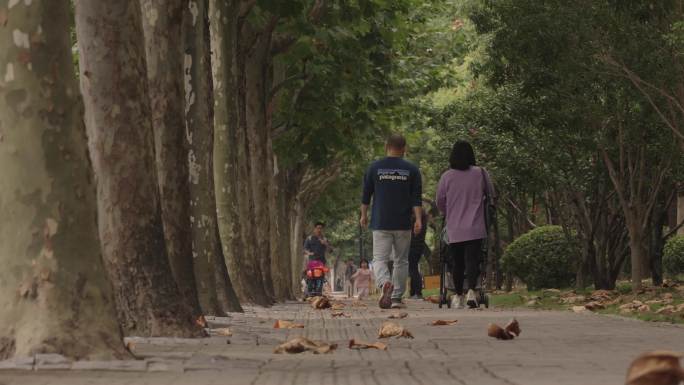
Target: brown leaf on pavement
[354,344]
[340,314]
[359,304]
[513,326]
[510,331]
[338,306]
[391,329]
[301,344]
[281,324]
[656,368]
[498,332]
[320,303]
[441,322]
[398,315]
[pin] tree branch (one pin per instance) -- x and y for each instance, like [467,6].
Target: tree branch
[638,82]
[246,7]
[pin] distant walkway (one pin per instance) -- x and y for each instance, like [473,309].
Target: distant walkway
[554,348]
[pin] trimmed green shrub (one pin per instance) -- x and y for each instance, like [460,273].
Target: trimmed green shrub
[673,256]
[542,258]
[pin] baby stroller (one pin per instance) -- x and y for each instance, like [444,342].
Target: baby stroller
[445,281]
[315,278]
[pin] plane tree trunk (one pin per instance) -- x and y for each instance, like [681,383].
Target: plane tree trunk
[121,142]
[54,293]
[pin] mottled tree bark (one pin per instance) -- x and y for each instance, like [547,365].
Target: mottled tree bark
[54,293]
[162,31]
[213,284]
[255,49]
[231,172]
[117,112]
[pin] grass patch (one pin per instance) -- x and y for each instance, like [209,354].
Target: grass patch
[553,300]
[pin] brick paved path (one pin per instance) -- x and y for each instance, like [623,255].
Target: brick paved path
[554,348]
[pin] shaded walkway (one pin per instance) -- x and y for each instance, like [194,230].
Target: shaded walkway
[554,348]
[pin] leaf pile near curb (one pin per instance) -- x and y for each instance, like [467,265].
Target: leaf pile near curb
[391,329]
[301,344]
[354,344]
[509,332]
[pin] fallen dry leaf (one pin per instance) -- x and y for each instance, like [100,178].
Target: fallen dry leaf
[338,306]
[644,309]
[354,344]
[510,331]
[130,345]
[359,304]
[340,314]
[573,299]
[594,305]
[513,326]
[433,299]
[580,309]
[441,322]
[656,368]
[398,315]
[221,332]
[634,306]
[281,324]
[391,329]
[680,307]
[201,321]
[669,309]
[601,296]
[301,344]
[320,303]
[498,332]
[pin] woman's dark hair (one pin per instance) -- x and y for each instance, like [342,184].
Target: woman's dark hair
[462,156]
[362,261]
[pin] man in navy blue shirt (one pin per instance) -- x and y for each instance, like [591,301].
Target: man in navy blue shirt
[395,187]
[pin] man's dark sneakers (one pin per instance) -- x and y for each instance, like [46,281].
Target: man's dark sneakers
[386,297]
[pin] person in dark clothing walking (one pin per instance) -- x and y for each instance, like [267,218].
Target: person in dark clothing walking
[416,250]
[316,246]
[395,187]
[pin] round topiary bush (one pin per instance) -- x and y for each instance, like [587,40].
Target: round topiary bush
[542,258]
[673,256]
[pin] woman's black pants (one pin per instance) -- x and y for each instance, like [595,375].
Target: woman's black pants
[416,280]
[465,258]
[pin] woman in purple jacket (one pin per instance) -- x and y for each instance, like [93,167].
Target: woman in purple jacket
[461,197]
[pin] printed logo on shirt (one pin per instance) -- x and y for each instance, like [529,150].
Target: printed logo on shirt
[393,174]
